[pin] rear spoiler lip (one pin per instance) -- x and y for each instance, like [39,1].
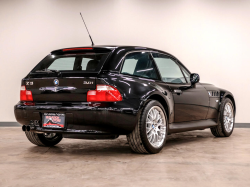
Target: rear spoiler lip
[68,74]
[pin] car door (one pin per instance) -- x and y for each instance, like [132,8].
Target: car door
[190,103]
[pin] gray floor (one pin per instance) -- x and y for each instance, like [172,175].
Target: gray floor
[188,159]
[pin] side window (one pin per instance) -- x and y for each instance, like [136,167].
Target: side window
[139,64]
[66,63]
[186,74]
[169,70]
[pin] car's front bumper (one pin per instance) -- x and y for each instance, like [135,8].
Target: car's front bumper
[81,118]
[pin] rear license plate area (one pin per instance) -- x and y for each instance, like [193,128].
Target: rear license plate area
[53,120]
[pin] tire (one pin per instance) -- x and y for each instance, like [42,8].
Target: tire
[44,139]
[139,140]
[224,128]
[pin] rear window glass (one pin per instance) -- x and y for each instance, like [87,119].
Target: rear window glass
[81,62]
[63,64]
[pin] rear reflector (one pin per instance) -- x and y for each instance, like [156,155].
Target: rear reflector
[104,93]
[29,103]
[25,95]
[76,49]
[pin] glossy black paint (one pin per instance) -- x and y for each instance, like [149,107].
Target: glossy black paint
[188,106]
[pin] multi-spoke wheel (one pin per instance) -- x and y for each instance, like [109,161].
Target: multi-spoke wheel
[225,120]
[45,139]
[156,126]
[228,117]
[149,135]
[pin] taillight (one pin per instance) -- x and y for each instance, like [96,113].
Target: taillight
[104,93]
[25,95]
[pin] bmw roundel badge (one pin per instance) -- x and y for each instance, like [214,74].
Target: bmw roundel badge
[56,82]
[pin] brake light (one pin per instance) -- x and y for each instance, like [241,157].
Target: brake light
[25,95]
[104,93]
[75,49]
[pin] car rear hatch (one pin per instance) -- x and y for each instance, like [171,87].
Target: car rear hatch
[66,75]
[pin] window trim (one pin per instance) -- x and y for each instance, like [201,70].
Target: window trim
[184,73]
[182,66]
[150,55]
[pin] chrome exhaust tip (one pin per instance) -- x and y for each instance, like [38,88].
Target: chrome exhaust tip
[24,127]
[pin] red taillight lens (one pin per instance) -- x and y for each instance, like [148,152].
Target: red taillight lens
[25,95]
[104,93]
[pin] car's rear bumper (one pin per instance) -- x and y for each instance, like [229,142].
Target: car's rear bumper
[82,118]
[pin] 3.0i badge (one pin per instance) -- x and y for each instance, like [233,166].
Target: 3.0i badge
[88,82]
[56,82]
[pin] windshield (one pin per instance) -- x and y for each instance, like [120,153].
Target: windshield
[91,62]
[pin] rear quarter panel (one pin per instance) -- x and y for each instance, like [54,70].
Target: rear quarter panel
[137,91]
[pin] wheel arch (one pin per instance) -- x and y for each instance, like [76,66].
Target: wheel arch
[229,96]
[161,100]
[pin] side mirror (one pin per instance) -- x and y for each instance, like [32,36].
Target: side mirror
[194,78]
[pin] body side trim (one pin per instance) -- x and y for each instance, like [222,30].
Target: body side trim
[191,125]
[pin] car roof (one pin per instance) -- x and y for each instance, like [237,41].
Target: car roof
[110,47]
[117,53]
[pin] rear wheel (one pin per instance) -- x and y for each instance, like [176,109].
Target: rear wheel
[45,139]
[225,125]
[149,135]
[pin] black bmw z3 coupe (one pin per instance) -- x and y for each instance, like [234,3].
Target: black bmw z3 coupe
[101,92]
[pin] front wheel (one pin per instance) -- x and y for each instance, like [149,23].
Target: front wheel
[149,135]
[45,139]
[225,125]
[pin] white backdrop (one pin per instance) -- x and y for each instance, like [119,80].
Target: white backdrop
[211,37]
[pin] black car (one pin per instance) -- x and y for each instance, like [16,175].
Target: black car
[101,92]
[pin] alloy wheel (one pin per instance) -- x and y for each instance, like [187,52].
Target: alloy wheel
[156,126]
[228,117]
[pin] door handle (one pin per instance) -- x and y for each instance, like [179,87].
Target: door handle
[178,92]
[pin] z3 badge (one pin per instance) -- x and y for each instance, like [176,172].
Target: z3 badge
[29,83]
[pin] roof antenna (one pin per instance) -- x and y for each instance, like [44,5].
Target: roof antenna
[87,29]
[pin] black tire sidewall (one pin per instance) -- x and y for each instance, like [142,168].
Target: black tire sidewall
[50,142]
[222,115]
[143,134]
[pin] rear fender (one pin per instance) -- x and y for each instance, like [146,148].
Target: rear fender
[166,102]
